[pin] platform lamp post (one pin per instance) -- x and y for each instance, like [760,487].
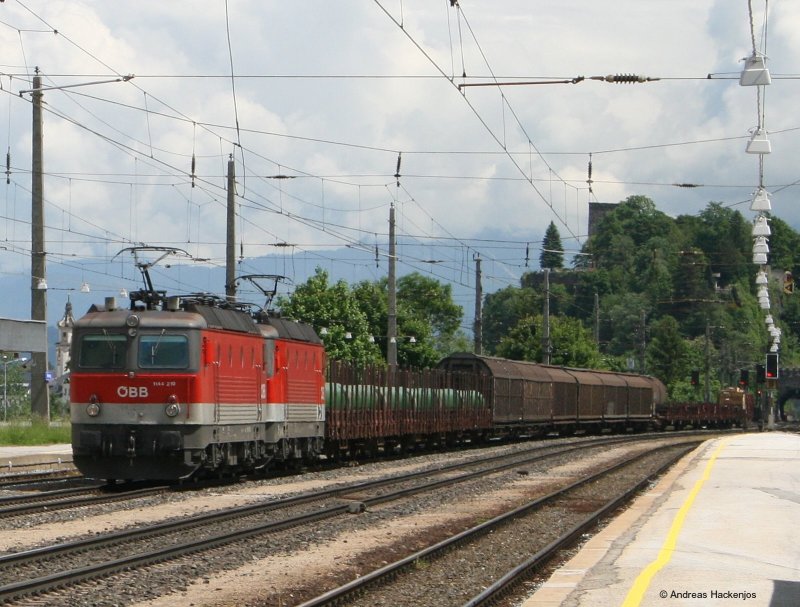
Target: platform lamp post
[40,397]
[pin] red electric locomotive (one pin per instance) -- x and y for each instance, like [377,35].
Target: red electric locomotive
[175,386]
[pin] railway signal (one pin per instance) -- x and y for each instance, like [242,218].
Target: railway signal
[744,378]
[771,367]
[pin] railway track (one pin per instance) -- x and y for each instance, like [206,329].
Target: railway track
[419,578]
[71,563]
[75,497]
[34,477]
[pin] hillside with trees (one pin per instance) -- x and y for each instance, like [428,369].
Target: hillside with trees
[648,293]
[656,295]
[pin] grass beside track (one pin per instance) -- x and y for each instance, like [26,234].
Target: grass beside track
[34,433]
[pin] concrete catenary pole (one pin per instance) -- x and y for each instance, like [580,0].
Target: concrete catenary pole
[391,304]
[478,325]
[40,396]
[230,237]
[546,346]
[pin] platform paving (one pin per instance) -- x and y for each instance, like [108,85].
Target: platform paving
[722,528]
[27,456]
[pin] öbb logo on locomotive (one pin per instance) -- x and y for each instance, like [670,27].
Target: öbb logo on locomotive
[133,392]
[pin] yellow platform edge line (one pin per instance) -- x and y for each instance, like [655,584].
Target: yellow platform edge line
[642,582]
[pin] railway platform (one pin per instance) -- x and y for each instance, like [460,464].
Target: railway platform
[722,528]
[26,458]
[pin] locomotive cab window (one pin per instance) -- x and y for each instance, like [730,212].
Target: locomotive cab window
[106,351]
[163,351]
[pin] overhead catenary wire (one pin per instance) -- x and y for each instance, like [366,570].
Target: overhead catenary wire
[481,119]
[327,206]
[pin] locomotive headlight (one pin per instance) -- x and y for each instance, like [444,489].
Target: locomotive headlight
[132,320]
[173,406]
[93,408]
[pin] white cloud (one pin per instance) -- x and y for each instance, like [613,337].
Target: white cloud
[181,102]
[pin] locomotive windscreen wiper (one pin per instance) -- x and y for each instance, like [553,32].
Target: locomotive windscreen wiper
[111,346]
[154,347]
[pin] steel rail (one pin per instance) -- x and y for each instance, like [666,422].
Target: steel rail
[66,578]
[21,478]
[116,537]
[388,572]
[44,503]
[507,582]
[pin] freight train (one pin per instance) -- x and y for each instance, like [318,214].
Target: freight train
[174,387]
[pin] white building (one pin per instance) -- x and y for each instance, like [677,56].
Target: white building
[61,381]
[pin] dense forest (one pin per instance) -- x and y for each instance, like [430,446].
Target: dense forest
[670,297]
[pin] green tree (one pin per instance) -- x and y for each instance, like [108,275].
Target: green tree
[15,388]
[503,310]
[588,284]
[425,311]
[622,328]
[523,341]
[725,237]
[334,309]
[626,238]
[667,352]
[571,344]
[784,247]
[427,299]
[552,251]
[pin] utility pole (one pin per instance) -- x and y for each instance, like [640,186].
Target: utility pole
[230,238]
[391,329]
[597,319]
[644,341]
[546,347]
[478,325]
[40,393]
[40,397]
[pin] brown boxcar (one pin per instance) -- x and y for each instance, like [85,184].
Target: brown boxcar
[530,394]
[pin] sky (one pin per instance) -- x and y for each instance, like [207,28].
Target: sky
[319,103]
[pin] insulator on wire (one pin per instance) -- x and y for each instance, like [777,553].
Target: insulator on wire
[8,166]
[397,171]
[589,176]
[194,164]
[624,78]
